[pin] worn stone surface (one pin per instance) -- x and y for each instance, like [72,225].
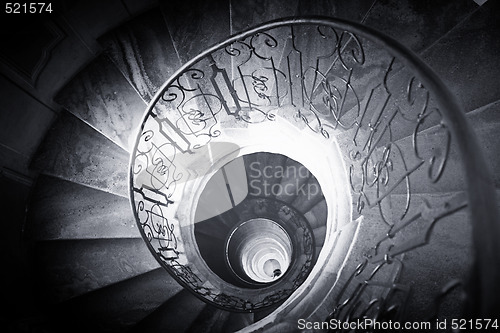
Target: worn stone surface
[184,307]
[196,25]
[23,120]
[76,152]
[429,268]
[247,14]
[102,97]
[433,142]
[418,24]
[345,9]
[467,59]
[317,216]
[94,17]
[237,321]
[64,210]
[118,307]
[143,51]
[294,177]
[310,195]
[71,268]
[485,122]
[209,320]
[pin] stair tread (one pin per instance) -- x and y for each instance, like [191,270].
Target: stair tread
[196,25]
[370,230]
[102,97]
[344,9]
[319,235]
[175,315]
[317,215]
[247,14]
[209,320]
[237,321]
[485,123]
[143,51]
[61,209]
[309,196]
[264,173]
[69,268]
[74,151]
[266,312]
[417,25]
[83,16]
[451,252]
[35,119]
[207,228]
[471,73]
[212,252]
[117,307]
[295,176]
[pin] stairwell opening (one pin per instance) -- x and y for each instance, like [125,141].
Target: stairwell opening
[263,237]
[259,251]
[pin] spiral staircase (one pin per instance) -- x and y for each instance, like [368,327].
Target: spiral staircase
[181,129]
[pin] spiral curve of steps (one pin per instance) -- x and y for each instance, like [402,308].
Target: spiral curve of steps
[92,271]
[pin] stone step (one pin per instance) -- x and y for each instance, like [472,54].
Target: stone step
[432,142]
[264,313]
[317,215]
[213,253]
[102,97]
[224,189]
[319,235]
[295,176]
[220,194]
[237,321]
[447,25]
[264,173]
[212,228]
[72,268]
[446,257]
[322,83]
[195,25]
[349,10]
[246,14]
[76,152]
[485,122]
[471,73]
[61,209]
[300,58]
[210,319]
[229,218]
[143,51]
[352,290]
[255,179]
[20,115]
[418,25]
[317,252]
[117,307]
[308,196]
[177,314]
[91,19]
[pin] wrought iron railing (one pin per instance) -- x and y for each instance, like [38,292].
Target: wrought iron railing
[346,84]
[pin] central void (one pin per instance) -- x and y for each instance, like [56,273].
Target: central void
[250,221]
[259,250]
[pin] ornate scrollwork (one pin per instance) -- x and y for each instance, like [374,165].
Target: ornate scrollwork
[343,88]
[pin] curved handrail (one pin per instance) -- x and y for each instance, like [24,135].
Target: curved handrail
[481,192]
